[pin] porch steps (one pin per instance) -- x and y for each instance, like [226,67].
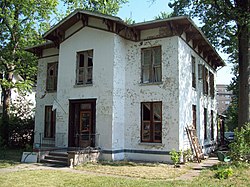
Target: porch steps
[56,158]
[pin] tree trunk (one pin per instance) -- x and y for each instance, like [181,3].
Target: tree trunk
[244,79]
[6,110]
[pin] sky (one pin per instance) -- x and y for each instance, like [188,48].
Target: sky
[145,10]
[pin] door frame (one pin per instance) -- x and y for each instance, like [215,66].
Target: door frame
[74,120]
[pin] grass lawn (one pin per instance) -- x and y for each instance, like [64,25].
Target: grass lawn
[114,174]
[150,171]
[64,178]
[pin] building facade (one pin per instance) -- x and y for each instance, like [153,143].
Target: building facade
[128,89]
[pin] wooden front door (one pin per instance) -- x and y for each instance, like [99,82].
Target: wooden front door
[82,123]
[85,128]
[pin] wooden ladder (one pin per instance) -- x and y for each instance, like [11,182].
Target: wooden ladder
[192,136]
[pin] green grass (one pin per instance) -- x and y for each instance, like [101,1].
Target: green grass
[64,178]
[10,157]
[150,171]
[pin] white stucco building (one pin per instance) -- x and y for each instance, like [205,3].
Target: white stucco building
[129,89]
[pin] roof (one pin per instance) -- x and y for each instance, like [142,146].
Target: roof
[176,25]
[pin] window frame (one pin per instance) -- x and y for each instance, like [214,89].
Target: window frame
[52,78]
[88,54]
[205,123]
[152,123]
[49,125]
[193,72]
[212,125]
[152,66]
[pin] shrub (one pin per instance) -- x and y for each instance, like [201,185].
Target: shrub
[175,156]
[240,148]
[224,173]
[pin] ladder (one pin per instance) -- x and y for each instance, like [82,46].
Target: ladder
[196,147]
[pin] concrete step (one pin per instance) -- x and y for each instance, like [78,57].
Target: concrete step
[56,158]
[54,162]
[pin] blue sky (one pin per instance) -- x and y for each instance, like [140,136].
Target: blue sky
[145,10]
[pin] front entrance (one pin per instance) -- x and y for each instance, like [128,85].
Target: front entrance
[82,123]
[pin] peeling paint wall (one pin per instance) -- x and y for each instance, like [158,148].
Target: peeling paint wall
[42,97]
[193,96]
[136,92]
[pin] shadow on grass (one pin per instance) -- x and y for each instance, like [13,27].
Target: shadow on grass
[10,157]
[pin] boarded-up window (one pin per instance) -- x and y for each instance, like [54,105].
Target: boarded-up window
[50,122]
[151,124]
[193,72]
[52,70]
[151,70]
[84,68]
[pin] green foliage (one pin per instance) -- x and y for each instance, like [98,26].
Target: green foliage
[240,148]
[175,156]
[129,21]
[110,7]
[163,15]
[224,173]
[21,127]
[187,155]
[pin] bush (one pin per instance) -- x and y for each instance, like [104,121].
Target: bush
[240,148]
[175,156]
[224,173]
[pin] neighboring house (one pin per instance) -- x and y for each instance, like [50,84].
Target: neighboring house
[17,97]
[129,89]
[223,97]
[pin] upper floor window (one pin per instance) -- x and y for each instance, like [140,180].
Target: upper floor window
[151,124]
[84,67]
[52,70]
[193,73]
[205,80]
[211,84]
[151,65]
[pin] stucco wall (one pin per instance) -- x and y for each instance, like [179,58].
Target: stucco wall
[102,44]
[193,96]
[136,92]
[42,97]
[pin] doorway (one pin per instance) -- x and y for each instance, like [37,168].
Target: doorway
[82,123]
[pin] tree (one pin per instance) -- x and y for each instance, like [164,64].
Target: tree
[110,7]
[226,23]
[19,28]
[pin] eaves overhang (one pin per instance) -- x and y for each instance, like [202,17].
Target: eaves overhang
[176,26]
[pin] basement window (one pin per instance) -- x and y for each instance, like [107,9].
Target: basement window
[151,124]
[151,70]
[84,69]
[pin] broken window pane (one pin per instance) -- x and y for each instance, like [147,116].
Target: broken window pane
[151,65]
[151,122]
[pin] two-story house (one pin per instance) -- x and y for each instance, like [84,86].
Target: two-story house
[129,89]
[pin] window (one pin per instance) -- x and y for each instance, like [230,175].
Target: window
[151,125]
[151,65]
[194,116]
[84,67]
[205,80]
[211,83]
[212,125]
[52,76]
[50,122]
[205,123]
[193,73]
[200,71]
